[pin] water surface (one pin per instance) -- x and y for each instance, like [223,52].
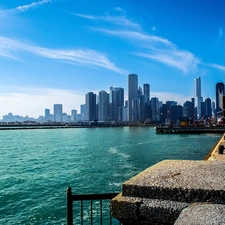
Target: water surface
[36,166]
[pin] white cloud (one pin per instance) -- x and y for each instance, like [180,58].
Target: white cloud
[159,49]
[118,20]
[24,8]
[216,66]
[10,48]
[119,9]
[182,60]
[133,35]
[32,102]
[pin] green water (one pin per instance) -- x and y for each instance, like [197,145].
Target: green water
[36,166]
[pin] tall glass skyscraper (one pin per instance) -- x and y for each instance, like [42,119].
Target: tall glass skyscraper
[117,102]
[90,102]
[198,96]
[219,97]
[132,93]
[146,90]
[103,111]
[58,112]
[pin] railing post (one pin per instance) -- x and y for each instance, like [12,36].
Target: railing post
[69,206]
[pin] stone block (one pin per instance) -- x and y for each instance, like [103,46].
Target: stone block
[180,180]
[206,214]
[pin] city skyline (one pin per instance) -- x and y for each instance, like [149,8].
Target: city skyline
[139,106]
[56,51]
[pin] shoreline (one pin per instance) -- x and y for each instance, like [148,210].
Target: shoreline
[66,126]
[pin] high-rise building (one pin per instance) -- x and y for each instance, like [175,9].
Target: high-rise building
[219,97]
[197,95]
[90,102]
[146,88]
[135,109]
[197,87]
[47,114]
[176,112]
[103,111]
[73,115]
[213,110]
[58,112]
[155,109]
[116,103]
[188,110]
[208,108]
[132,93]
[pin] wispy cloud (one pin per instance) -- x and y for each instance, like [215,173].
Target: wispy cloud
[10,48]
[117,20]
[158,49]
[23,8]
[182,60]
[83,57]
[119,9]
[216,66]
[134,35]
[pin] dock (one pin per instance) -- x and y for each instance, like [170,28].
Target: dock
[188,130]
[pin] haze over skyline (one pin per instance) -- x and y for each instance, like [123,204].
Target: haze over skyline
[55,51]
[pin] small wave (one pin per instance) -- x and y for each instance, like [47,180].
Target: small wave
[116,151]
[115,184]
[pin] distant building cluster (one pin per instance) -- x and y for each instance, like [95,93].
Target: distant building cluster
[111,107]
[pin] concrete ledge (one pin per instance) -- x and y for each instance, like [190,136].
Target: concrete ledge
[125,209]
[154,210]
[161,192]
[180,180]
[202,214]
[129,210]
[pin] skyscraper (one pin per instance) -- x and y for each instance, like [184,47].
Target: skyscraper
[155,109]
[146,88]
[90,102]
[58,112]
[116,102]
[208,108]
[47,114]
[103,111]
[198,87]
[188,110]
[197,96]
[132,93]
[219,97]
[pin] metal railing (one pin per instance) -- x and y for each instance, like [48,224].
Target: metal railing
[90,208]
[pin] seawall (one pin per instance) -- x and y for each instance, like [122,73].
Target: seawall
[179,192]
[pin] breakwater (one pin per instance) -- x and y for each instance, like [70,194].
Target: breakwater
[189,130]
[179,192]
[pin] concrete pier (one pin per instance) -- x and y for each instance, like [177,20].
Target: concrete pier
[215,155]
[170,191]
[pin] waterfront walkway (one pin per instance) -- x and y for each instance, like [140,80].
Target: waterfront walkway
[214,154]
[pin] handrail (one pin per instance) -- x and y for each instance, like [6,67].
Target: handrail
[82,197]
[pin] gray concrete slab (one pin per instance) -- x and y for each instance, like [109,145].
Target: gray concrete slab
[206,214]
[180,180]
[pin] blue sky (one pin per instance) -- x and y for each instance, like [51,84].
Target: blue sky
[55,51]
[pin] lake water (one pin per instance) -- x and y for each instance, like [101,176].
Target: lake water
[36,166]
